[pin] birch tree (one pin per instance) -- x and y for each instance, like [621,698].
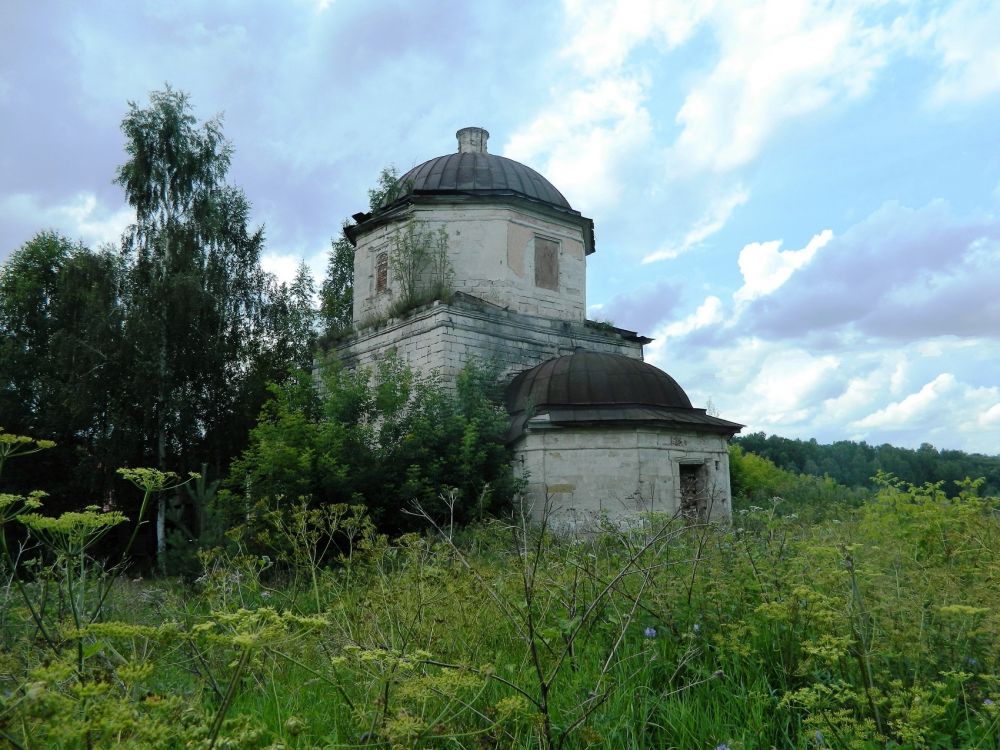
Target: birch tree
[195,293]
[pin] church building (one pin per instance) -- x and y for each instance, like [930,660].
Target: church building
[596,431]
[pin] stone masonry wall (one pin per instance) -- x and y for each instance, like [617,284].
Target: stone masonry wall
[617,471]
[443,337]
[491,249]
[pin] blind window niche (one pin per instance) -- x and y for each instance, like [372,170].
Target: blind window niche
[546,263]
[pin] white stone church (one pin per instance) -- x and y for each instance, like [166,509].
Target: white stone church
[594,429]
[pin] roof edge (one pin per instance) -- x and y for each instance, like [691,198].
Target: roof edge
[395,211]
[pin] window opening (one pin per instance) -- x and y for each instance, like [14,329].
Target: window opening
[382,272]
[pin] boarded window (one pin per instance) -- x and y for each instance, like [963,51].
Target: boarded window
[546,263]
[382,272]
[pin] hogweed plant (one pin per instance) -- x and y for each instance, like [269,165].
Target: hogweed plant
[308,629]
[12,506]
[19,445]
[68,538]
[566,604]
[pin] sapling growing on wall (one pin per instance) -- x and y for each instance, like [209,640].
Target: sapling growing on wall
[420,266]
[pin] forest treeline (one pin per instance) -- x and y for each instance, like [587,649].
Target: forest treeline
[156,350]
[854,464]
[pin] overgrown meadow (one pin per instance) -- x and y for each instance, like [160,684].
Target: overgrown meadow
[305,628]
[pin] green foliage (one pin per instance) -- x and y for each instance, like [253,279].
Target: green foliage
[382,438]
[156,352]
[294,317]
[60,350]
[756,481]
[876,629]
[195,290]
[337,292]
[14,446]
[605,326]
[854,464]
[388,188]
[420,267]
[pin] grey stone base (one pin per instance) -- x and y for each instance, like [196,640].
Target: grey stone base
[442,337]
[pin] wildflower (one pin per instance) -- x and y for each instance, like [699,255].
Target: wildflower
[723,746]
[649,632]
[819,737]
[696,628]
[987,701]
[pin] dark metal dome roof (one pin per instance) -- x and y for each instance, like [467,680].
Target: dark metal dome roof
[481,174]
[475,171]
[587,378]
[593,387]
[471,175]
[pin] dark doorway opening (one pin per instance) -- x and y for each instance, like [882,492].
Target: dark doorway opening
[694,498]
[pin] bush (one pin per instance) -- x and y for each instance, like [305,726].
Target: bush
[756,481]
[382,438]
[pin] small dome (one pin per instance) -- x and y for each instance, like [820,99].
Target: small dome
[587,378]
[475,171]
[595,388]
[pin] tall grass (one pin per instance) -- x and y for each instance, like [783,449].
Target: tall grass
[310,630]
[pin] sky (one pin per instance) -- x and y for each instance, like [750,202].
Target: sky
[799,201]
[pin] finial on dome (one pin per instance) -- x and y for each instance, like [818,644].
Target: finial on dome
[472,140]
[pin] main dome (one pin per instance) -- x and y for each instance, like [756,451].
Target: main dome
[473,171]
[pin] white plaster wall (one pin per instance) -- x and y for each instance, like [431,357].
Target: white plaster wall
[442,338]
[491,249]
[617,472]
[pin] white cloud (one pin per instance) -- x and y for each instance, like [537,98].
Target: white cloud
[709,313]
[898,378]
[80,218]
[712,221]
[778,60]
[914,407]
[990,417]
[582,144]
[801,57]
[605,33]
[946,411]
[965,37]
[767,386]
[284,267]
[863,389]
[930,389]
[786,386]
[765,267]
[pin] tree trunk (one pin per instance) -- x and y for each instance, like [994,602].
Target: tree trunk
[161,505]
